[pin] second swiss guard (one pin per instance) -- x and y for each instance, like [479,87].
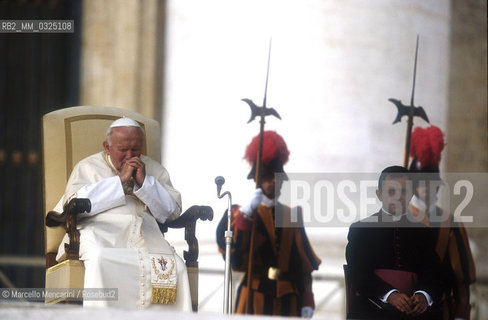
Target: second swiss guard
[452,245]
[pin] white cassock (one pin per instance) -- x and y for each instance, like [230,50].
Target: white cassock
[120,236]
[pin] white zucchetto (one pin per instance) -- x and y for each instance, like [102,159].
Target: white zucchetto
[124,122]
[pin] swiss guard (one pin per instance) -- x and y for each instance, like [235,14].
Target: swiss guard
[278,262]
[452,245]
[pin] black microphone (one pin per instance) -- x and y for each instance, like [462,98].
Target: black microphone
[219,181]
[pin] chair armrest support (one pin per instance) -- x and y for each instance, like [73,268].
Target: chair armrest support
[188,221]
[68,218]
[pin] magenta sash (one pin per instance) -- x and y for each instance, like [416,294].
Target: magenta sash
[403,281]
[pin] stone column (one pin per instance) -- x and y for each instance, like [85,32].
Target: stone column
[467,134]
[121,62]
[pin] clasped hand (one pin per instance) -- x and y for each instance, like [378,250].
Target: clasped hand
[248,209]
[413,306]
[135,168]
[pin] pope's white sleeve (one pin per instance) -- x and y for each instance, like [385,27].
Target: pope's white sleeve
[104,194]
[157,198]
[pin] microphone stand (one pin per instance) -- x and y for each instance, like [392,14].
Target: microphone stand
[227,308]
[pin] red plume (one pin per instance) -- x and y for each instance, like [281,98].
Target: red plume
[274,147]
[426,146]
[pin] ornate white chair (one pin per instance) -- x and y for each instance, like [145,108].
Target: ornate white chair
[70,135]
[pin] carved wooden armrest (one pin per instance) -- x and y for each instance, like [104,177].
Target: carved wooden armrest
[68,219]
[188,221]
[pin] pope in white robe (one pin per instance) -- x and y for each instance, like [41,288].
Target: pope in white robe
[121,244]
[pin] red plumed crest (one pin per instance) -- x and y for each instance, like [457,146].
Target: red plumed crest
[274,147]
[426,146]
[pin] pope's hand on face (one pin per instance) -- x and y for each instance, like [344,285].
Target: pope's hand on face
[139,169]
[126,172]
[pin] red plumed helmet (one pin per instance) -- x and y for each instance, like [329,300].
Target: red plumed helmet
[426,146]
[274,153]
[274,147]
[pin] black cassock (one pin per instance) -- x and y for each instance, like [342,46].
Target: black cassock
[378,244]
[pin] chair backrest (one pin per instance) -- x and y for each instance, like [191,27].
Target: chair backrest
[71,134]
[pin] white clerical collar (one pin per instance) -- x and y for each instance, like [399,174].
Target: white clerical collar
[394,217]
[267,201]
[110,163]
[420,204]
